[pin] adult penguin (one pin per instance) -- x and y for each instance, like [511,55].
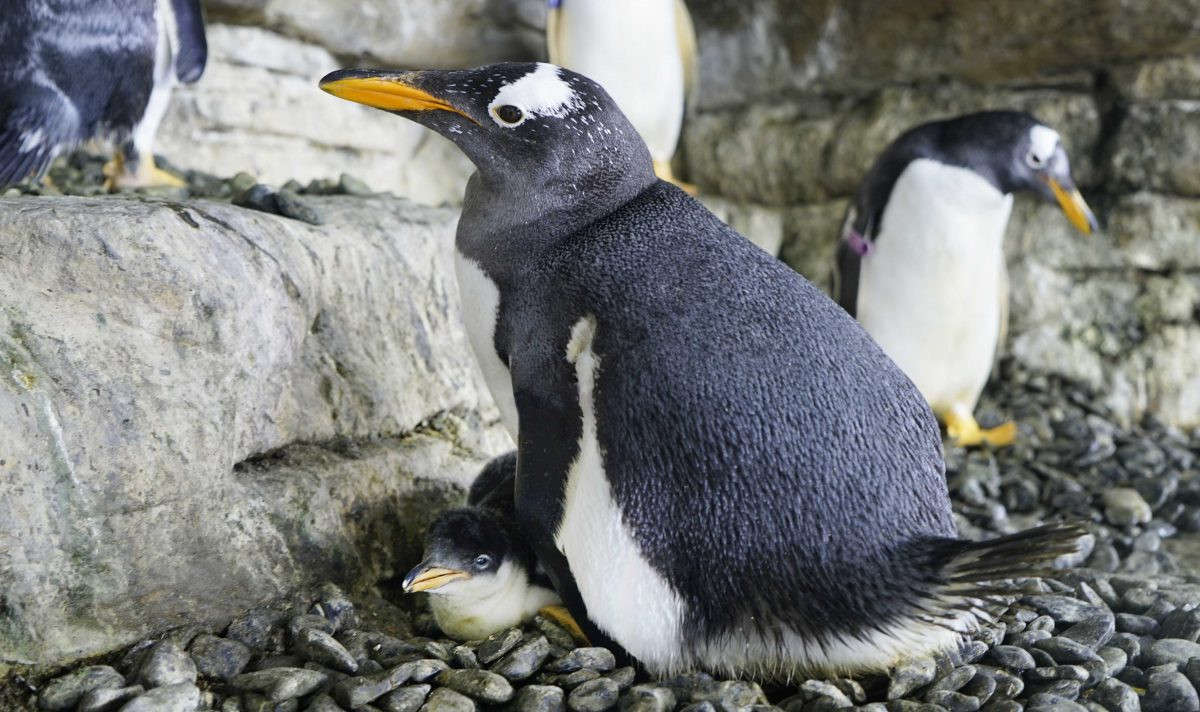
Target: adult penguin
[643,52]
[920,262]
[716,465]
[74,70]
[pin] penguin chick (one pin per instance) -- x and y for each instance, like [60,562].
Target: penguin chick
[920,262]
[75,70]
[643,52]
[717,467]
[480,576]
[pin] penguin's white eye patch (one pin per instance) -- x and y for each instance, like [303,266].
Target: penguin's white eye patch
[1043,142]
[508,115]
[541,92]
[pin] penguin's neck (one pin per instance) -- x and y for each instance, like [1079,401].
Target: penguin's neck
[505,226]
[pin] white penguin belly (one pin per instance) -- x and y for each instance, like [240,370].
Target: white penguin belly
[481,309]
[625,597]
[630,47]
[929,292]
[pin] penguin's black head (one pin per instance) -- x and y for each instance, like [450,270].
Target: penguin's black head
[527,124]
[464,549]
[1016,152]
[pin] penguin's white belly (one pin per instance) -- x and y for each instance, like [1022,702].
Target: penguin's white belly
[481,308]
[929,292]
[631,49]
[626,598]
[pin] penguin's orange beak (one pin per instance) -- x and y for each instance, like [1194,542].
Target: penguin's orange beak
[384,90]
[1073,206]
[426,577]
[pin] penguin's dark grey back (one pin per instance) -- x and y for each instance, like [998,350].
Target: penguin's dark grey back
[730,386]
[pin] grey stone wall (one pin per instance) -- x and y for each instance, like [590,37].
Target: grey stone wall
[797,98]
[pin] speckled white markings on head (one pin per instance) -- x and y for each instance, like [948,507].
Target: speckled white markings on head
[542,92]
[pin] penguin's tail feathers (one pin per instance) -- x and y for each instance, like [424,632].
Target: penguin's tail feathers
[1025,554]
[969,576]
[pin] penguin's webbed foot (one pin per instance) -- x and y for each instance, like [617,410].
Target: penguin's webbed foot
[563,617]
[146,175]
[964,431]
[662,169]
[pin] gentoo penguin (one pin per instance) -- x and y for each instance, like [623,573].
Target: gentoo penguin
[717,467]
[73,70]
[920,262]
[643,52]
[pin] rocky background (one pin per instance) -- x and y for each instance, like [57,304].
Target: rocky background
[223,406]
[795,100]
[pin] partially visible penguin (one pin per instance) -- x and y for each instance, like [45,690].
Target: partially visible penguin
[920,262]
[717,467]
[643,52]
[74,70]
[479,572]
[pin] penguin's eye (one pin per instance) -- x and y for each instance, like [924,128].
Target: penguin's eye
[482,561]
[1034,160]
[509,114]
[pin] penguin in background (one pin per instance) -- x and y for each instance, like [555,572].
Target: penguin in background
[717,467]
[643,52]
[920,261]
[75,70]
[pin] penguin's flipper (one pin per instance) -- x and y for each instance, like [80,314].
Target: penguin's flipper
[964,431]
[685,36]
[495,486]
[563,617]
[191,44]
[854,243]
[554,31]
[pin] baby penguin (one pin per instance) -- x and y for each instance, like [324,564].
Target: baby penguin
[480,574]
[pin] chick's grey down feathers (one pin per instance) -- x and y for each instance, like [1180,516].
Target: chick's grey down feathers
[771,463]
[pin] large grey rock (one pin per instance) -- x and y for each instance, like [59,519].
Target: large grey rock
[203,407]
[258,109]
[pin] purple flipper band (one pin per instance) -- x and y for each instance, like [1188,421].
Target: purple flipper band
[553,4]
[858,243]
